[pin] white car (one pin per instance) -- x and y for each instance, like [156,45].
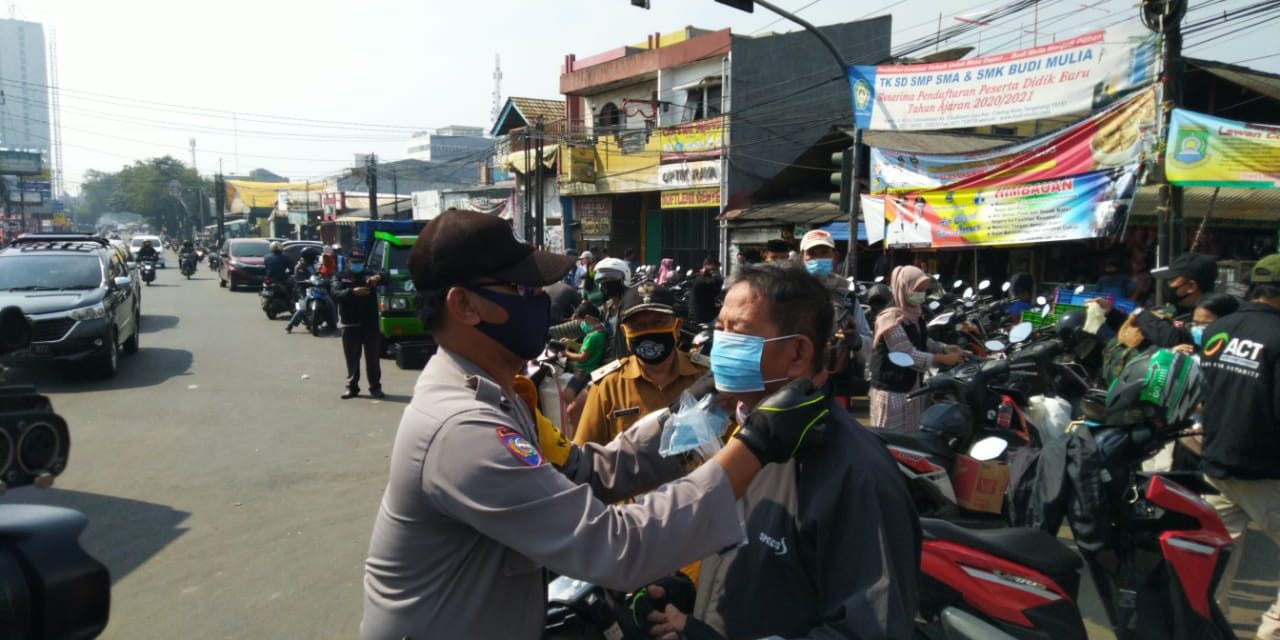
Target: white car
[135,243]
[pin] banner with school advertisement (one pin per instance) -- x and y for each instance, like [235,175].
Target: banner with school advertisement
[1205,151]
[1117,136]
[1089,205]
[1078,75]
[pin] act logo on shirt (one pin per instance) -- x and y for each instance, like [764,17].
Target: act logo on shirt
[1215,344]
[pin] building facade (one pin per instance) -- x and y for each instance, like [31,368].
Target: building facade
[24,80]
[447,144]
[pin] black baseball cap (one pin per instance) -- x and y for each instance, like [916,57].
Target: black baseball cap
[1192,266]
[460,246]
[647,296]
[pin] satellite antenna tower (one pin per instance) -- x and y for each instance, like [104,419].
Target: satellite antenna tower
[55,107]
[13,10]
[496,110]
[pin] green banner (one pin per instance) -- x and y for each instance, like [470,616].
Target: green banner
[1204,151]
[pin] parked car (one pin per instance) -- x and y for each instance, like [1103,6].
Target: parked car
[78,296]
[135,243]
[293,248]
[242,262]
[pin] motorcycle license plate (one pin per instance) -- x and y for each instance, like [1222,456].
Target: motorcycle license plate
[40,349]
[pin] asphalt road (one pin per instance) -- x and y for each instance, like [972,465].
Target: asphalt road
[231,492]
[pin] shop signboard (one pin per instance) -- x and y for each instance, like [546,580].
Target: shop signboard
[594,215]
[20,163]
[1077,75]
[694,140]
[581,166]
[684,175]
[1089,205]
[1204,151]
[690,198]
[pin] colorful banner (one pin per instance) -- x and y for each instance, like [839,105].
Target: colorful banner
[1205,151]
[1072,76]
[700,139]
[690,198]
[1120,135]
[1072,208]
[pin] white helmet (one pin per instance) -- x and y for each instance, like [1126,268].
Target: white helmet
[613,268]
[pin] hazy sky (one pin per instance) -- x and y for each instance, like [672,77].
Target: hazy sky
[141,77]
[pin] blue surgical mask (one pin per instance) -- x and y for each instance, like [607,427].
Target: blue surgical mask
[1197,335]
[818,266]
[735,361]
[356,267]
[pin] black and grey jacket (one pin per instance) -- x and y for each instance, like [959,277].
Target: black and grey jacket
[832,548]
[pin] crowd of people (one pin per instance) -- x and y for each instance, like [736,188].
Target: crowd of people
[484,491]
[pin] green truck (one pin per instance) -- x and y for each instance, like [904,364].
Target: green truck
[403,336]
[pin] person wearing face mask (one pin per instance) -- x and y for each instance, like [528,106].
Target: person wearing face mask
[649,379]
[852,331]
[612,277]
[703,292]
[1185,280]
[593,339]
[355,291]
[479,500]
[900,328]
[1209,309]
[833,540]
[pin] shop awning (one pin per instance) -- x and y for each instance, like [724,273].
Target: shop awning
[808,211]
[839,230]
[1256,206]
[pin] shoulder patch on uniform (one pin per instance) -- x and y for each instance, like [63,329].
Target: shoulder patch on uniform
[522,449]
[699,359]
[605,370]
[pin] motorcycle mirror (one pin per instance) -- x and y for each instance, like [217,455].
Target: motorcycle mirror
[934,304]
[984,285]
[957,284]
[1005,287]
[689,273]
[1042,301]
[937,277]
[1079,289]
[901,359]
[968,292]
[1044,311]
[879,279]
[994,346]
[1020,332]
[968,304]
[988,448]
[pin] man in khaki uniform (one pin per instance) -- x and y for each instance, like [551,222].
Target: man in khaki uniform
[649,379]
[473,511]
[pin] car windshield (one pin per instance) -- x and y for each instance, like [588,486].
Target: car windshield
[25,272]
[250,249]
[398,258]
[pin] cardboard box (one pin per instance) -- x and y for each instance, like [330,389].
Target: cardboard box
[980,485]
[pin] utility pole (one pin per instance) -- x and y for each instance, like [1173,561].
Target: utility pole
[1165,17]
[371,180]
[540,221]
[219,203]
[395,186]
[527,211]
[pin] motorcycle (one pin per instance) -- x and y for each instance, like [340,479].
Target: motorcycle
[148,267]
[187,264]
[215,262]
[318,305]
[276,298]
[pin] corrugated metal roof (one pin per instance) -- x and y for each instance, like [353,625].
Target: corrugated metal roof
[809,211]
[1232,205]
[1267,84]
[930,141]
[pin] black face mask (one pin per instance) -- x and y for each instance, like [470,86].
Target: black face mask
[525,331]
[654,347]
[612,288]
[1171,295]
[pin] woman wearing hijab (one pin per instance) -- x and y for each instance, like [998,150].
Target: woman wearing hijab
[901,328]
[666,270]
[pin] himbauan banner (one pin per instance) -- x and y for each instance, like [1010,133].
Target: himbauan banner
[1072,76]
[1120,135]
[1071,208]
[1205,151]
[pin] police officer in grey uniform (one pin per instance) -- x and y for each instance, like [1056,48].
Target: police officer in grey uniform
[474,507]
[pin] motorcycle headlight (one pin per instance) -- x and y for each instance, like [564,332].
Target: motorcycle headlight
[89,313]
[398,304]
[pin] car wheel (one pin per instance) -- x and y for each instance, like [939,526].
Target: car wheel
[131,345]
[231,285]
[109,363]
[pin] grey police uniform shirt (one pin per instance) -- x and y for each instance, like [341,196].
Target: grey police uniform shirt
[472,513]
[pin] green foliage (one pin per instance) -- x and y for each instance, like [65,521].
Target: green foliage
[142,188]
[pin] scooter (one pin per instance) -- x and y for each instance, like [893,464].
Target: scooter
[214,262]
[187,264]
[276,298]
[148,267]
[318,305]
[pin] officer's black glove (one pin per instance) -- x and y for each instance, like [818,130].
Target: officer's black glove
[677,589]
[784,421]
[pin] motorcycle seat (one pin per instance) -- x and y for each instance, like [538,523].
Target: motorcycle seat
[1028,547]
[917,441]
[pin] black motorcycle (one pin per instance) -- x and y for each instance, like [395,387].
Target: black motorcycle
[276,297]
[187,264]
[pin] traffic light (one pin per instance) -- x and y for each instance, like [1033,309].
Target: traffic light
[742,5]
[843,179]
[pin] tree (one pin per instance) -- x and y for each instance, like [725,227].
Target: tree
[143,188]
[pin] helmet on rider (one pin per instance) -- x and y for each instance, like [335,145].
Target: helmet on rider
[310,254]
[613,269]
[146,243]
[276,248]
[187,244]
[879,296]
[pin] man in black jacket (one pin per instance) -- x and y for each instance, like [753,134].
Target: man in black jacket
[833,540]
[1188,277]
[355,291]
[1241,453]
